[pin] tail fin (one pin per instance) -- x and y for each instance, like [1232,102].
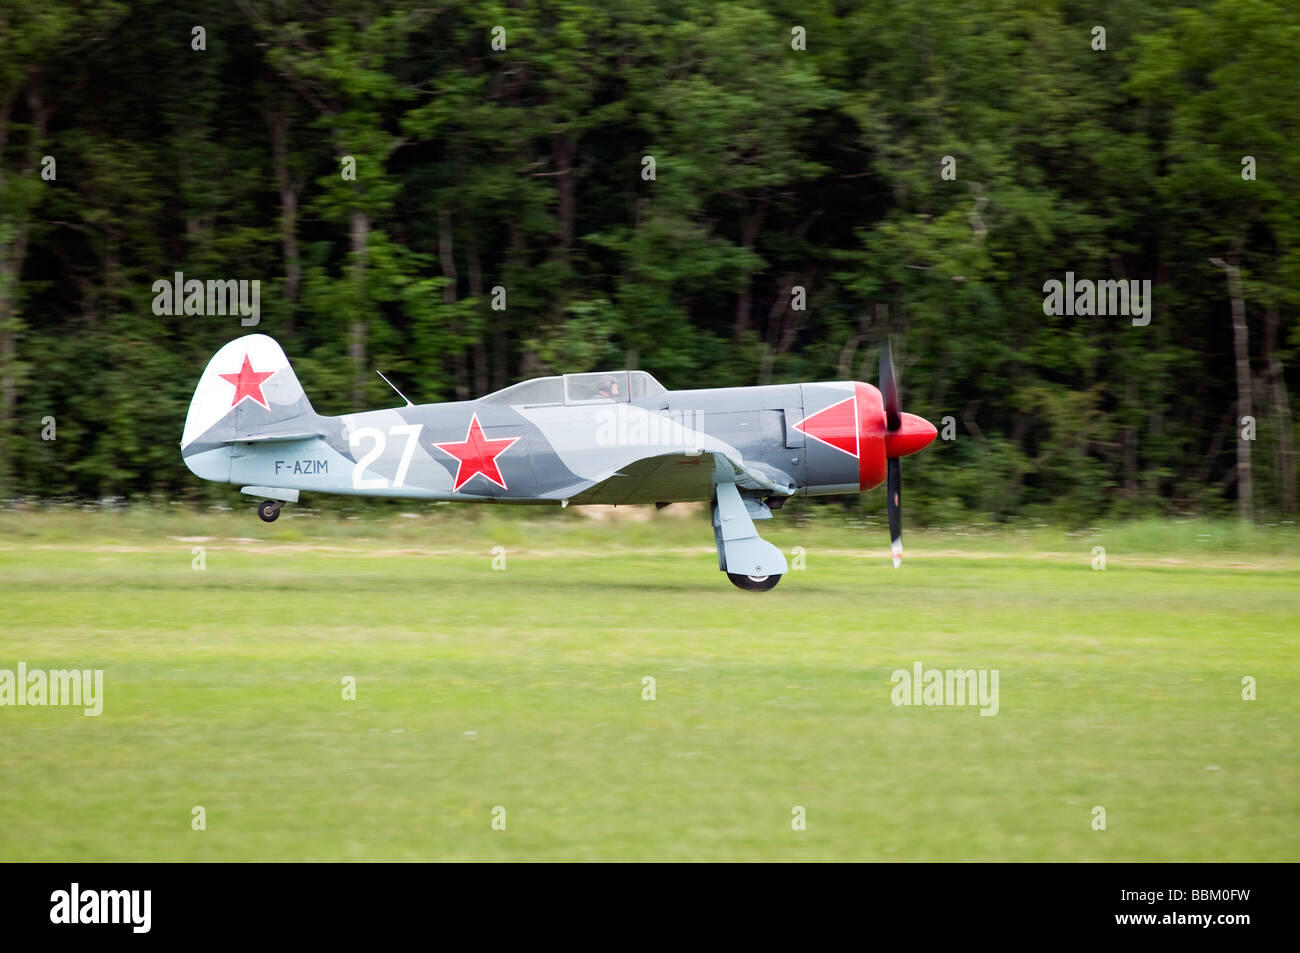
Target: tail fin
[248,390]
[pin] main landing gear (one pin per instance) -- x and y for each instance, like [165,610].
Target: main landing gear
[269,510]
[750,562]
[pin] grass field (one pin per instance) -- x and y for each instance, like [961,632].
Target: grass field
[522,688]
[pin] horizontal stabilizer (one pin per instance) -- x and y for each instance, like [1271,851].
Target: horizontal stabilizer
[276,437]
[271,493]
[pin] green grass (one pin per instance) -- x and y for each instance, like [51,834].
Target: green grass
[523,689]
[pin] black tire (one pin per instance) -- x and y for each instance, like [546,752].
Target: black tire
[754,583]
[269,510]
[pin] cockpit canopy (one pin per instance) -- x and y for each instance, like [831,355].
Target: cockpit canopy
[597,387]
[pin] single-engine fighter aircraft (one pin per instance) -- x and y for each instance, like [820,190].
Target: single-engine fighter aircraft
[608,437]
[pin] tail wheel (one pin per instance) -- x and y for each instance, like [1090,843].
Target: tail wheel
[269,510]
[754,583]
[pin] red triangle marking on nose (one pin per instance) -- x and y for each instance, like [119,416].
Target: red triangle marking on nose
[835,426]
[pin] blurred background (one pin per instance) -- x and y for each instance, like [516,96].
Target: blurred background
[920,168]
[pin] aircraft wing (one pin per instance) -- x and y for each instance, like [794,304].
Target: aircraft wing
[682,476]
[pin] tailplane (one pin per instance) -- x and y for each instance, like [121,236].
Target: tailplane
[247,392]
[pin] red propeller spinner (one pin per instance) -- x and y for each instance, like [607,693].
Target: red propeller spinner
[914,433]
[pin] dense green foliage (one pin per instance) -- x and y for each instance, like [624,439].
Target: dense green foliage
[775,168]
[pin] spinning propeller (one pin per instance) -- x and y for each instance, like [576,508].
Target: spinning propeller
[904,434]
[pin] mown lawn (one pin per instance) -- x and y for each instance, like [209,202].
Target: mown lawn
[523,688]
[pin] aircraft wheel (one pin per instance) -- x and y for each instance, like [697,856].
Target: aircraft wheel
[269,510]
[754,583]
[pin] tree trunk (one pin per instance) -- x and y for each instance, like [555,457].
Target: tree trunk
[8,316]
[749,226]
[1129,443]
[357,336]
[447,258]
[1284,454]
[848,354]
[783,322]
[497,376]
[1241,345]
[10,268]
[784,325]
[562,152]
[483,372]
[288,212]
[13,252]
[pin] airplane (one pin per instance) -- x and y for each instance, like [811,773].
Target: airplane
[606,437]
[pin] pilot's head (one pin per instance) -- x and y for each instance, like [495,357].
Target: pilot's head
[607,386]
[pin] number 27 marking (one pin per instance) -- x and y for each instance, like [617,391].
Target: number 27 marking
[412,434]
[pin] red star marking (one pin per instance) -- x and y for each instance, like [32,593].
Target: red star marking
[836,426]
[477,455]
[248,383]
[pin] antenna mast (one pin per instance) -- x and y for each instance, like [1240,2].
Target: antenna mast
[395,390]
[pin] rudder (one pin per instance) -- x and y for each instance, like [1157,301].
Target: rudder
[248,389]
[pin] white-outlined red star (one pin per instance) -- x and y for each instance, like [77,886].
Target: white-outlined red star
[477,455]
[248,383]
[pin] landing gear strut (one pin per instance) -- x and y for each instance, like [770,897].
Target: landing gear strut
[750,562]
[269,510]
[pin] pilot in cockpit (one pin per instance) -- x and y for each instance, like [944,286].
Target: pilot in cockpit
[607,387]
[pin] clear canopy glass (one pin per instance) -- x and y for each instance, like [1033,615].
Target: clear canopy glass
[594,387]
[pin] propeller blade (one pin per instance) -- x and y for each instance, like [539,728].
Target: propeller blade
[889,387]
[894,504]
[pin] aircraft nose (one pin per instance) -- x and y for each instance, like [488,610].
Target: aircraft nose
[914,433]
